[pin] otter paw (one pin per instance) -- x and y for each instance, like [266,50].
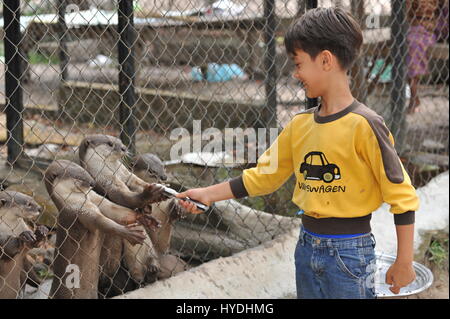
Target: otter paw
[41,233]
[28,238]
[176,211]
[153,269]
[133,234]
[152,273]
[149,221]
[154,193]
[147,209]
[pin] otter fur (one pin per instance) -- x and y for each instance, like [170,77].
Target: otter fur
[101,156]
[150,168]
[84,219]
[18,234]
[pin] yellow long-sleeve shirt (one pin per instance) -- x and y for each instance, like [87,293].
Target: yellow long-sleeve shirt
[345,165]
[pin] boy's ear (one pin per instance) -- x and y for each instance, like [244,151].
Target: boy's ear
[326,60]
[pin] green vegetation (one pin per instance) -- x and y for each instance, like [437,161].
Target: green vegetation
[43,8]
[35,57]
[45,273]
[437,252]
[39,58]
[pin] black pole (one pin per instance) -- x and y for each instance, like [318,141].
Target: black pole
[127,38]
[13,74]
[399,29]
[301,7]
[270,111]
[359,83]
[62,39]
[310,103]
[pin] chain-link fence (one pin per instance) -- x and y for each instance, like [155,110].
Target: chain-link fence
[178,79]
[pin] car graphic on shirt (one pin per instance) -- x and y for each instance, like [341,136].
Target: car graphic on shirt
[316,167]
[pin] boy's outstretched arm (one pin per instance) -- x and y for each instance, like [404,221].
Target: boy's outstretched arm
[402,273]
[206,195]
[273,169]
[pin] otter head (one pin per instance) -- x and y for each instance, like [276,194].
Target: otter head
[19,205]
[68,175]
[150,167]
[108,147]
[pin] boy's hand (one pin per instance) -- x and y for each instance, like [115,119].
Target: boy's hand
[400,275]
[199,194]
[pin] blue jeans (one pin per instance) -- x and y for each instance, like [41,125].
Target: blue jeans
[335,267]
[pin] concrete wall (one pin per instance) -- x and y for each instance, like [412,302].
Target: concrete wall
[155,109]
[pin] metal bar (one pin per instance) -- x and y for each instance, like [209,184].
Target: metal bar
[270,111]
[13,90]
[310,103]
[301,7]
[359,83]
[127,38]
[311,4]
[62,39]
[399,30]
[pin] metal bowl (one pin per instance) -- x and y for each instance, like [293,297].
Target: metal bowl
[424,278]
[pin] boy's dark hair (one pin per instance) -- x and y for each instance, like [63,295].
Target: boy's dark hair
[330,29]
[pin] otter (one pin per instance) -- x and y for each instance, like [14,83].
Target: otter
[18,234]
[101,156]
[84,219]
[124,267]
[150,168]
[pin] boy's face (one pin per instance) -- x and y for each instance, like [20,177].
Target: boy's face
[310,73]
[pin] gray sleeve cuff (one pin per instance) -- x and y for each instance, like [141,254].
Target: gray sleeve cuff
[238,188]
[406,218]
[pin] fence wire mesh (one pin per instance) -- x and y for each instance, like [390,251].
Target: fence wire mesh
[172,80]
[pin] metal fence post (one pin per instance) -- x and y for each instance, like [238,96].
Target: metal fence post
[359,82]
[301,7]
[270,63]
[13,74]
[310,103]
[127,38]
[399,30]
[62,38]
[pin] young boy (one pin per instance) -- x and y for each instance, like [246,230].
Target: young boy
[343,157]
